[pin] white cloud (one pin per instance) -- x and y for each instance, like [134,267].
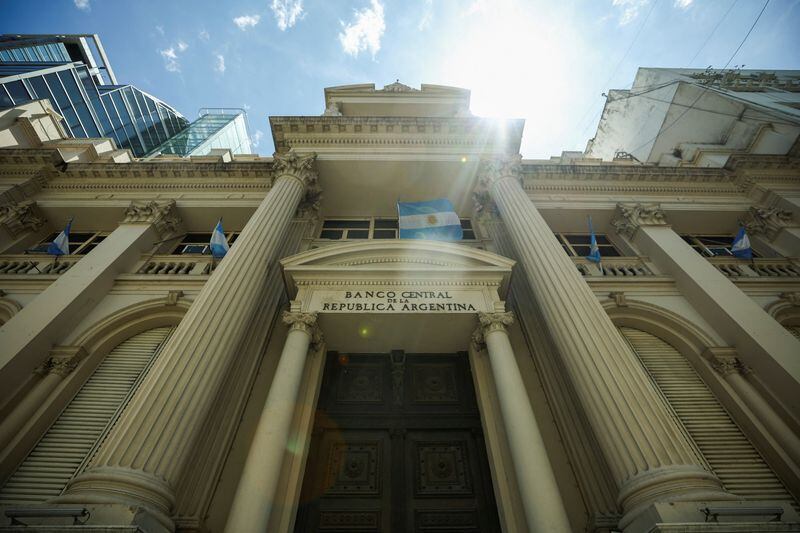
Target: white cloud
[427,16]
[220,64]
[182,46]
[287,12]
[364,32]
[82,5]
[255,139]
[170,59]
[630,9]
[160,30]
[203,35]
[246,21]
[246,107]
[683,4]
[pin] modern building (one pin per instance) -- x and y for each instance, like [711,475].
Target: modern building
[74,74]
[680,117]
[214,129]
[326,375]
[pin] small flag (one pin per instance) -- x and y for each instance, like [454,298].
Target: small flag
[60,245]
[219,244]
[594,251]
[435,220]
[741,245]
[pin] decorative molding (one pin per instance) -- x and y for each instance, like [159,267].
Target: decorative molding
[62,361]
[496,168]
[792,298]
[629,217]
[491,322]
[724,360]
[21,217]
[305,322]
[768,221]
[298,166]
[173,297]
[162,215]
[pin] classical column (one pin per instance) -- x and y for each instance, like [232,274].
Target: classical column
[255,495]
[727,363]
[777,226]
[27,338]
[648,452]
[760,340]
[143,457]
[541,499]
[61,363]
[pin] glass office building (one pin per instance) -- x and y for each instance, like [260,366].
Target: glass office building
[83,90]
[215,128]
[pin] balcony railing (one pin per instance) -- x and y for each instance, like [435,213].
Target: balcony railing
[29,264]
[166,265]
[757,268]
[615,267]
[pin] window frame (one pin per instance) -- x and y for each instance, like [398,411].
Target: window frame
[372,229]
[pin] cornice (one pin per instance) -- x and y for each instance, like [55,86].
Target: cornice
[29,156]
[150,185]
[762,162]
[639,173]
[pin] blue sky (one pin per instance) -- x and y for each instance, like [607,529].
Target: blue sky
[545,61]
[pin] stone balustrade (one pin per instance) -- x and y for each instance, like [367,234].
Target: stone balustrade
[757,268]
[614,267]
[164,265]
[35,264]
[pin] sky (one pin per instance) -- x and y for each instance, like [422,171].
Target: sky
[545,61]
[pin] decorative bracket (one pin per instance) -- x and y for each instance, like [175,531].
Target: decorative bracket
[630,217]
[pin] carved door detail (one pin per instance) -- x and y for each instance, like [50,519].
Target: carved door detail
[397,447]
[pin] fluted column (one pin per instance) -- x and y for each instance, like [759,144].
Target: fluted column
[647,450]
[255,495]
[61,363]
[26,339]
[541,499]
[726,362]
[143,456]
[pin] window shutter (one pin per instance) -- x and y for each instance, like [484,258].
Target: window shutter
[726,449]
[63,449]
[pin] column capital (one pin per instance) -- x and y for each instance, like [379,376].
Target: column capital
[491,322]
[305,322]
[21,217]
[162,215]
[629,217]
[768,221]
[311,202]
[62,361]
[500,167]
[301,167]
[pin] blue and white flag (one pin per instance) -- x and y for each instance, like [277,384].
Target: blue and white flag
[60,245]
[594,251]
[219,244]
[741,245]
[435,220]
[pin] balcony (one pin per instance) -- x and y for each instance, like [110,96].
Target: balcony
[39,264]
[756,268]
[176,265]
[615,267]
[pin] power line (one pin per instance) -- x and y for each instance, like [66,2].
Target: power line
[706,88]
[710,35]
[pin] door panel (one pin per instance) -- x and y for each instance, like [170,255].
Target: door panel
[397,446]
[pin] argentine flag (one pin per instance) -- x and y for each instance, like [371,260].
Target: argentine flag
[60,245]
[741,245]
[435,220]
[594,250]
[219,244]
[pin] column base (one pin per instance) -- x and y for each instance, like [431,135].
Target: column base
[119,518]
[668,484]
[118,485]
[734,517]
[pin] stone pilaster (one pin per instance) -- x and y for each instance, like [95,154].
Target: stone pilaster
[255,495]
[142,458]
[541,499]
[762,342]
[29,335]
[647,451]
[726,362]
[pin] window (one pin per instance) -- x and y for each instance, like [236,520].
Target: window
[578,244]
[198,243]
[79,243]
[374,228]
[711,245]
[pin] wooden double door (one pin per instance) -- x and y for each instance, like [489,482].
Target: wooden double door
[397,447]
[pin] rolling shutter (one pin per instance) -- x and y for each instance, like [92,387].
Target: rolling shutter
[726,449]
[62,450]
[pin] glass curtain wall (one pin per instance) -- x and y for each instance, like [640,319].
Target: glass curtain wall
[216,128]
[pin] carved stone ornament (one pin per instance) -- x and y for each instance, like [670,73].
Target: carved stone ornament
[332,110]
[63,361]
[726,364]
[398,87]
[767,220]
[629,217]
[491,322]
[498,168]
[306,322]
[792,298]
[162,215]
[173,297]
[477,339]
[21,217]
[484,204]
[298,166]
[311,202]
[619,298]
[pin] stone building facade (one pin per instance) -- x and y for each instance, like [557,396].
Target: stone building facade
[327,376]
